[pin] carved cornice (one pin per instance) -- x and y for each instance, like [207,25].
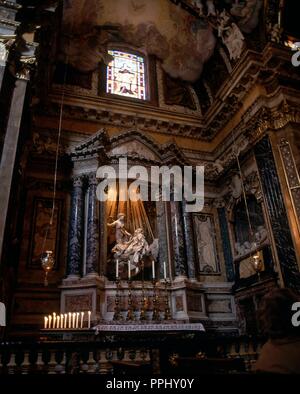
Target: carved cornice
[10,4]
[256,121]
[254,124]
[252,68]
[100,145]
[44,144]
[271,119]
[9,23]
[157,120]
[33,183]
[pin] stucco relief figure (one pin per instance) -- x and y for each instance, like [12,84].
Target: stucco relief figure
[275,33]
[260,236]
[231,35]
[235,187]
[211,10]
[247,14]
[206,244]
[198,4]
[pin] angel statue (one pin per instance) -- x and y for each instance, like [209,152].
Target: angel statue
[132,248]
[121,233]
[231,35]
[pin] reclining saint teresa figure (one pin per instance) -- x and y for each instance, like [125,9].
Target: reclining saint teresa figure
[133,248]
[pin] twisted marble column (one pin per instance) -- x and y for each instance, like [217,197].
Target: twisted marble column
[189,242]
[178,238]
[76,229]
[92,247]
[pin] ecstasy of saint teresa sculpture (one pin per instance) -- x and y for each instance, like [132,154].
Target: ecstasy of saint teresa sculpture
[132,248]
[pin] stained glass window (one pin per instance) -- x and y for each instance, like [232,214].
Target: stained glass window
[126,75]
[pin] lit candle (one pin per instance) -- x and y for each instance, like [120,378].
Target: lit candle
[77,320]
[54,319]
[50,319]
[58,321]
[73,320]
[45,322]
[66,320]
[70,318]
[61,321]
[129,270]
[89,319]
[165,270]
[117,269]
[279,18]
[153,270]
[81,320]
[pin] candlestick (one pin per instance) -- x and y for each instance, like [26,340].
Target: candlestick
[89,319]
[50,319]
[57,321]
[167,314]
[155,314]
[45,322]
[130,313]
[165,271]
[81,320]
[70,317]
[54,319]
[66,320]
[153,270]
[117,269]
[77,320]
[73,319]
[61,321]
[129,270]
[117,315]
[143,301]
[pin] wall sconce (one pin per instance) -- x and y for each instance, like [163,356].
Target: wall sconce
[47,261]
[257,263]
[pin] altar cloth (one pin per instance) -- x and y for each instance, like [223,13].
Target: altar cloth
[148,327]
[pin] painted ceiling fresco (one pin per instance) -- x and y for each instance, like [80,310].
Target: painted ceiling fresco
[180,40]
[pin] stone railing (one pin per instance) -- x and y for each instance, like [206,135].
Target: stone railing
[67,358]
[92,357]
[247,348]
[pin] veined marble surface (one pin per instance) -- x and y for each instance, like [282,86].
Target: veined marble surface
[150,327]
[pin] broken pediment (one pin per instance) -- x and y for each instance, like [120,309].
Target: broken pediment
[133,144]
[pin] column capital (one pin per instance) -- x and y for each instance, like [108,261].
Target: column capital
[219,202]
[24,67]
[78,180]
[92,180]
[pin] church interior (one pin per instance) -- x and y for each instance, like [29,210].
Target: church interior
[145,286]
